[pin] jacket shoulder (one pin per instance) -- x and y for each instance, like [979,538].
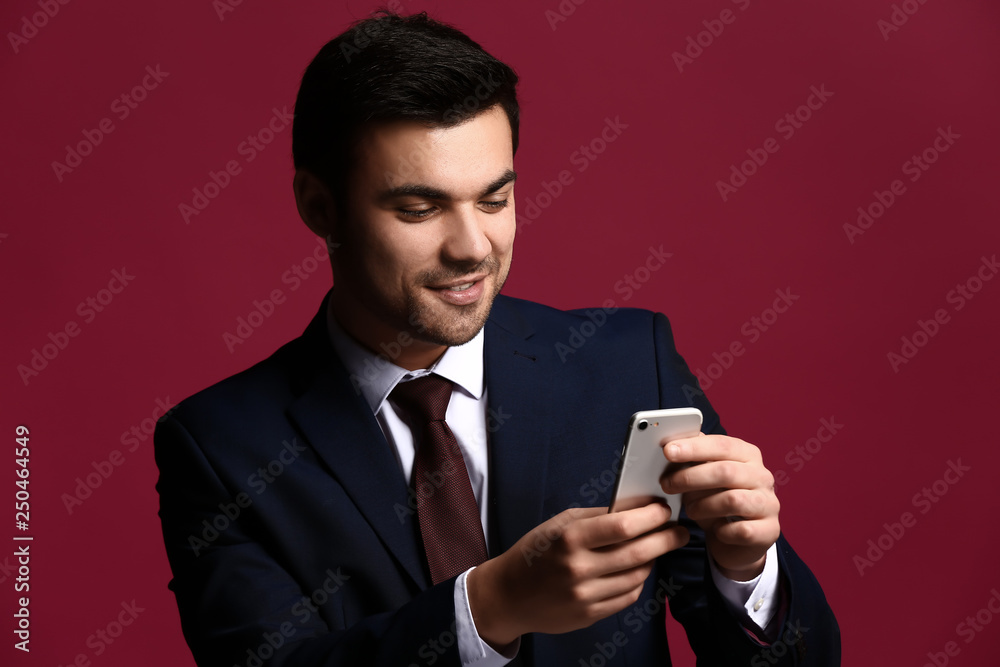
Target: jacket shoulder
[275,380]
[548,320]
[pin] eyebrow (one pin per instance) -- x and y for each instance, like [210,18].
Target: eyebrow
[427,192]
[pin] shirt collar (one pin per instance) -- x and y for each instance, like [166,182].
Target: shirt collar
[374,376]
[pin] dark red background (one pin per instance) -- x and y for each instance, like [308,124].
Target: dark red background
[655,185]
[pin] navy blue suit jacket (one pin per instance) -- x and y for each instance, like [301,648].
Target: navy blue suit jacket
[287,524]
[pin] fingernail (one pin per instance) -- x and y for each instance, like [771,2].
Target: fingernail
[673,451]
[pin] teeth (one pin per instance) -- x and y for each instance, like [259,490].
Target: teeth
[461,288]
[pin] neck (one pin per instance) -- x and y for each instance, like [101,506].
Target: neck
[400,347]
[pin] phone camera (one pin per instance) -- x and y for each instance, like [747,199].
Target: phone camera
[642,425]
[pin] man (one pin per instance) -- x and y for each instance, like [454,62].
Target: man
[316,512]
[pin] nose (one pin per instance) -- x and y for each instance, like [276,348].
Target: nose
[466,241]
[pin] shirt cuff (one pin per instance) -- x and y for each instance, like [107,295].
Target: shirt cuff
[471,648]
[758,599]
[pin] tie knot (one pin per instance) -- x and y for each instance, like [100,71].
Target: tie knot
[426,397]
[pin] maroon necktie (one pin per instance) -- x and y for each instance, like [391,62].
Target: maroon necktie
[446,507]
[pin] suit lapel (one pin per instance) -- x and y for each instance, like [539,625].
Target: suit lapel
[334,418]
[520,376]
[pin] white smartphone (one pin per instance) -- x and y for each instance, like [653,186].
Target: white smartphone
[642,462]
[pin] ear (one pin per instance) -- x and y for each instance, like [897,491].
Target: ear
[315,203]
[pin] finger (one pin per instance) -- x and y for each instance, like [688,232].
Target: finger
[711,448]
[717,474]
[690,497]
[605,563]
[629,564]
[763,532]
[742,503]
[613,584]
[555,527]
[613,604]
[576,513]
[640,550]
[618,527]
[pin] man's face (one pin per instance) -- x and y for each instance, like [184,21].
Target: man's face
[429,235]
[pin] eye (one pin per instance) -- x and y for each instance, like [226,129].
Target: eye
[416,214]
[496,205]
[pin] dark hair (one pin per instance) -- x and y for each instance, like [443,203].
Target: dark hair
[391,67]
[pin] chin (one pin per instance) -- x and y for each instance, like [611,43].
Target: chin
[445,327]
[442,324]
[451,331]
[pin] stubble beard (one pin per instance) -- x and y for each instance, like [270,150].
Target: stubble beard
[441,324]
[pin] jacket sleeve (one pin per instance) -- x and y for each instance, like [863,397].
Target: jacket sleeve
[239,606]
[809,634]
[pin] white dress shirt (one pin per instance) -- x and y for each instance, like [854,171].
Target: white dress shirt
[375,376]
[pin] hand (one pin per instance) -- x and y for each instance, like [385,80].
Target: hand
[578,567]
[730,494]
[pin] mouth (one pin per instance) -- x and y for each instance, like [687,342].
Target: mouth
[461,292]
[459,285]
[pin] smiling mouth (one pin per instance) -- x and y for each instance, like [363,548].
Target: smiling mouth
[463,293]
[460,286]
